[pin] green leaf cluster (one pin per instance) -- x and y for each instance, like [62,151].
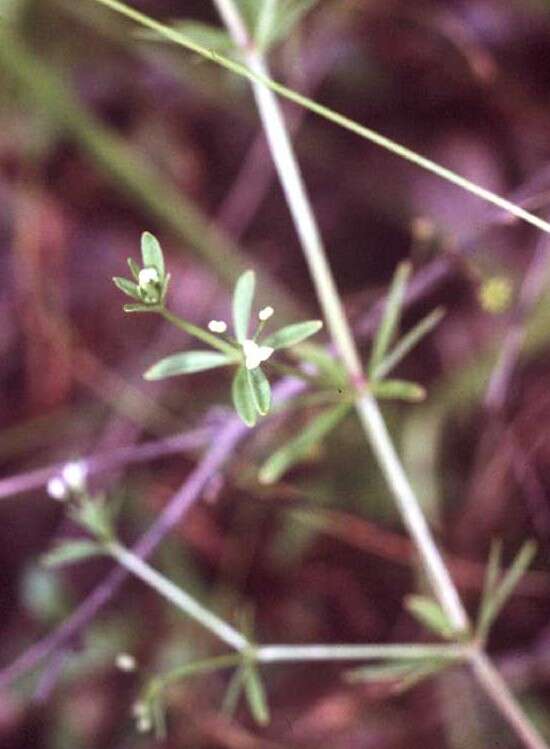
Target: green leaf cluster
[153,293]
[250,390]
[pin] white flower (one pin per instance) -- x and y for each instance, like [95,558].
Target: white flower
[144,724]
[148,277]
[74,476]
[126,662]
[57,489]
[217,326]
[265,313]
[254,355]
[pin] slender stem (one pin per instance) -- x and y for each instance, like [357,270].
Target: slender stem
[196,332]
[177,596]
[280,653]
[497,689]
[256,76]
[198,667]
[367,408]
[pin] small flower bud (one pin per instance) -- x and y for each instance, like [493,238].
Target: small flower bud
[144,724]
[148,277]
[217,326]
[265,313]
[74,476]
[57,489]
[126,662]
[254,354]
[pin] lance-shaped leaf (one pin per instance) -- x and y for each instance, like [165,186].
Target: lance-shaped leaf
[243,296]
[328,367]
[276,26]
[295,450]
[68,552]
[398,389]
[151,253]
[292,334]
[204,34]
[243,397]
[496,596]
[129,288]
[186,362]
[233,692]
[407,343]
[390,319]
[137,308]
[261,389]
[403,674]
[255,695]
[134,268]
[431,615]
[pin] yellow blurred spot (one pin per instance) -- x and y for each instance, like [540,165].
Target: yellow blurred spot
[495,294]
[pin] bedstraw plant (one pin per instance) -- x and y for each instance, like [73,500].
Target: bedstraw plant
[337,381]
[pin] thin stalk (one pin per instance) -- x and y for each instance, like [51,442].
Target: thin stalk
[497,689]
[256,76]
[177,596]
[196,332]
[312,245]
[289,653]
[198,667]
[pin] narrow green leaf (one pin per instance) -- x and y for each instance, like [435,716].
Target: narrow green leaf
[233,692]
[376,673]
[243,296]
[212,37]
[497,599]
[255,695]
[137,308]
[243,400]
[186,362]
[134,268]
[292,334]
[128,287]
[398,389]
[68,552]
[328,367]
[390,319]
[492,574]
[158,714]
[278,18]
[421,673]
[405,674]
[287,455]
[430,614]
[151,253]
[204,34]
[261,389]
[408,342]
[96,516]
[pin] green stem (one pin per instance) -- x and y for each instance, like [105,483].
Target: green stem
[327,293]
[497,689]
[200,333]
[259,76]
[178,597]
[286,653]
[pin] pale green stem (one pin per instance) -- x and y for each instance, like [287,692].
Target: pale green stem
[504,700]
[282,653]
[177,37]
[178,597]
[367,408]
[200,333]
